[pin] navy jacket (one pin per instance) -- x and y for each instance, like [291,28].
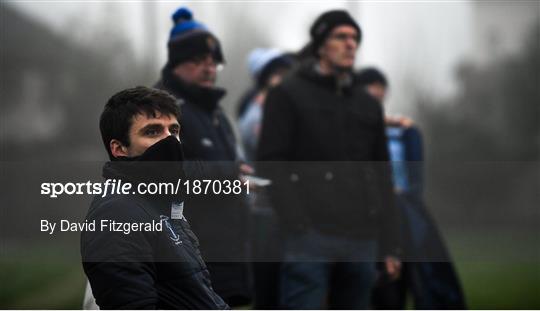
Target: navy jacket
[220,221]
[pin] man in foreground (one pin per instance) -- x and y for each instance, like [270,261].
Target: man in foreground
[155,269]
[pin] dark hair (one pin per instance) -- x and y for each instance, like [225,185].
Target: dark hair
[371,75]
[117,116]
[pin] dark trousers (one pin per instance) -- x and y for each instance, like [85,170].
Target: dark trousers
[321,271]
[266,246]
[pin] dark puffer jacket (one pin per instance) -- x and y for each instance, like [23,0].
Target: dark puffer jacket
[144,269]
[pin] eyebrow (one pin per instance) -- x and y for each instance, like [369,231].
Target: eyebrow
[151,126]
[344,33]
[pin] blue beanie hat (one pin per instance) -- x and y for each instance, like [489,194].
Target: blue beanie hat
[190,38]
[183,21]
[259,58]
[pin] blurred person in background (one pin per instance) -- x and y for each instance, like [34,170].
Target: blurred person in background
[267,68]
[332,187]
[428,273]
[220,221]
[159,268]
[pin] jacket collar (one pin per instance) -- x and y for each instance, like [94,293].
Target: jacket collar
[206,98]
[162,162]
[310,71]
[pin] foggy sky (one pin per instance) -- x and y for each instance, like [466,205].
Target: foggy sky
[417,43]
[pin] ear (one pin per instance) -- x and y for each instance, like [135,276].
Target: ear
[320,50]
[117,148]
[179,69]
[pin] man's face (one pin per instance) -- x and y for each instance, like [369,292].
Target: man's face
[201,71]
[339,49]
[145,132]
[377,90]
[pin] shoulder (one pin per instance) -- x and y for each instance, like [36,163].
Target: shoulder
[360,93]
[368,104]
[294,81]
[191,116]
[292,91]
[118,207]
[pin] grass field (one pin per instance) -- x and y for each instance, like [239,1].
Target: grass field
[45,284]
[501,285]
[499,270]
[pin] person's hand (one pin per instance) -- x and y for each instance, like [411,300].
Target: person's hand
[406,122]
[392,265]
[391,120]
[400,121]
[246,169]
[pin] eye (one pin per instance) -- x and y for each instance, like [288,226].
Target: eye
[175,130]
[151,132]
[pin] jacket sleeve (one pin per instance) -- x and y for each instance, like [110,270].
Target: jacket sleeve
[414,157]
[119,266]
[390,218]
[275,155]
